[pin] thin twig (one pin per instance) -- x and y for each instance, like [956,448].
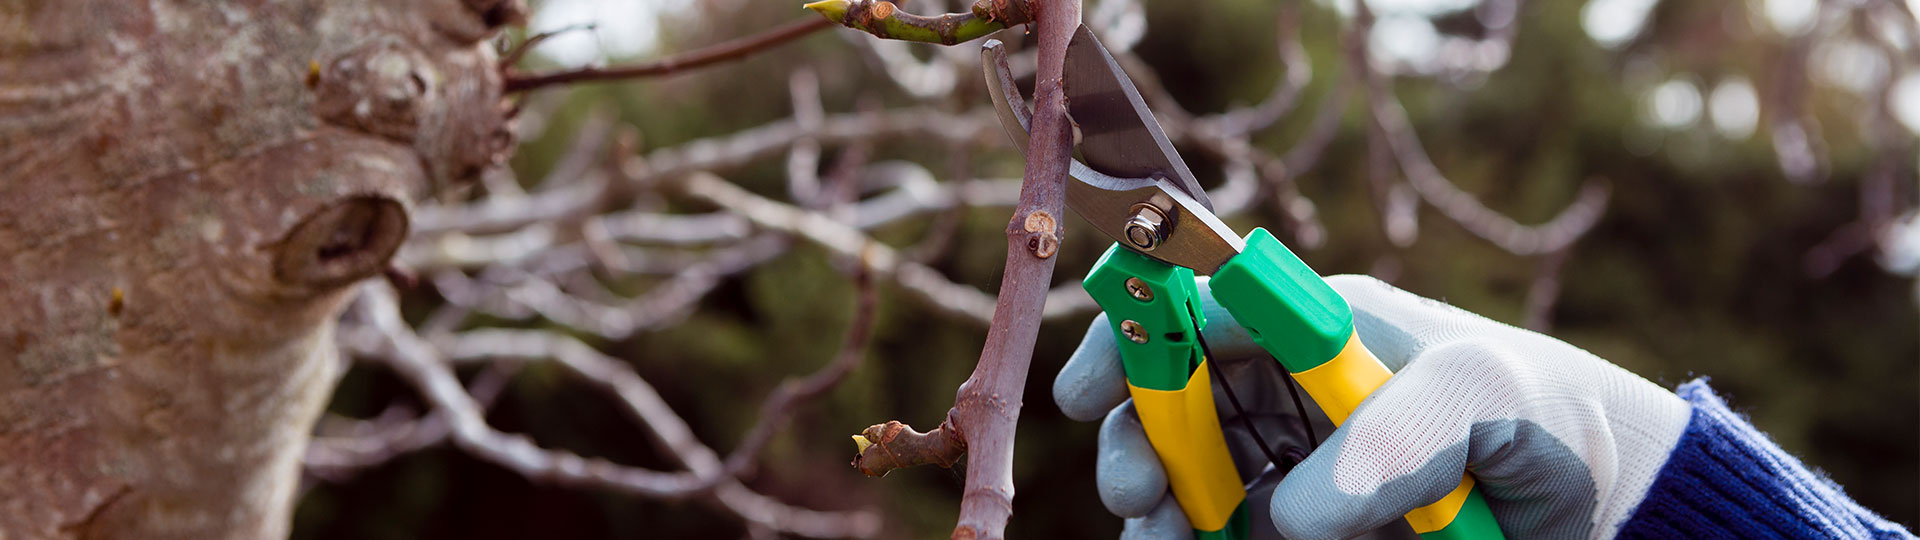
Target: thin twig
[779,408]
[927,284]
[1293,79]
[803,159]
[422,365]
[346,446]
[1390,124]
[512,57]
[730,50]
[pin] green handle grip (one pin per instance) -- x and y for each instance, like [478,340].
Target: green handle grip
[1155,312]
[1293,314]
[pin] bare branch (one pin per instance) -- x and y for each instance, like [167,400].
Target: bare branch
[717,153]
[1391,126]
[779,408]
[730,50]
[946,224]
[421,365]
[1463,208]
[927,79]
[1298,72]
[925,283]
[803,159]
[665,304]
[345,446]
[513,56]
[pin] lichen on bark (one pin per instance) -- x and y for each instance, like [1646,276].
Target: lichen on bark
[187,191]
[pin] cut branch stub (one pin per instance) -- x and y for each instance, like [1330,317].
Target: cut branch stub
[894,445]
[344,242]
[1043,234]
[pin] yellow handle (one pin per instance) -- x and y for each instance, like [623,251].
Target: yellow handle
[1185,430]
[1340,385]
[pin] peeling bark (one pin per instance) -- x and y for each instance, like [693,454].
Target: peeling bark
[187,190]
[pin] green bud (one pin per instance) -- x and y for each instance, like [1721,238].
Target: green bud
[833,10]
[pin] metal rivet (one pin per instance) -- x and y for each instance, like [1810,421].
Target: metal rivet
[1133,330]
[1139,290]
[1145,228]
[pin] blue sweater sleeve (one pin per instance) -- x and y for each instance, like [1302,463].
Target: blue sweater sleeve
[1727,480]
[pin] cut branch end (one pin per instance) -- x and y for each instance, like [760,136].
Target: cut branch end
[893,445]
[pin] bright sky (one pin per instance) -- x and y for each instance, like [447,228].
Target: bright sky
[621,28]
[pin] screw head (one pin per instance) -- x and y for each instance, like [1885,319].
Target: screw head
[1133,331]
[1139,290]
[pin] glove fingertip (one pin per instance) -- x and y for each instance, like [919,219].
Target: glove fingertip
[1128,472]
[1093,380]
[1165,522]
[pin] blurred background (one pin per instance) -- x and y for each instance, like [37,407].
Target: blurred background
[1729,188]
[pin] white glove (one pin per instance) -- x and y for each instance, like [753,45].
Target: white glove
[1564,444]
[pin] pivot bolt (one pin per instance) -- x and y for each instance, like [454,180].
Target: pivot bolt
[1133,331]
[1139,290]
[1145,229]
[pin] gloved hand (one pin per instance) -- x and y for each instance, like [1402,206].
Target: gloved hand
[1564,444]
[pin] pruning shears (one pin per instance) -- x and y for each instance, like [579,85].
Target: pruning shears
[1134,188]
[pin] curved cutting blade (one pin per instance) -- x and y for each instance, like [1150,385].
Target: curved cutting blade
[1118,133]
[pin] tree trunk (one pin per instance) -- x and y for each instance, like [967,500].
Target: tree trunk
[188,190]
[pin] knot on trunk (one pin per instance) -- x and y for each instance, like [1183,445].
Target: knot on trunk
[379,89]
[343,242]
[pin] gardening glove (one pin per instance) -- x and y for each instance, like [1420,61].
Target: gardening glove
[1563,444]
[1131,481]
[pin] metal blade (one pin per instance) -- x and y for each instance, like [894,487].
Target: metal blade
[1007,102]
[1118,133]
[1194,237]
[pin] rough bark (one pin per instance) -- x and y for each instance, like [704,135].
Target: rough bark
[187,191]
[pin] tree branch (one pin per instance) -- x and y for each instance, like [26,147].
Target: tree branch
[731,50]
[778,410]
[424,366]
[1395,134]
[882,19]
[987,408]
[924,282]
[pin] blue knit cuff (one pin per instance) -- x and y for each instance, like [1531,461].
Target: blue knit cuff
[1727,480]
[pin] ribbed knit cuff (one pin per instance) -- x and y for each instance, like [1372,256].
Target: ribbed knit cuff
[1727,480]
